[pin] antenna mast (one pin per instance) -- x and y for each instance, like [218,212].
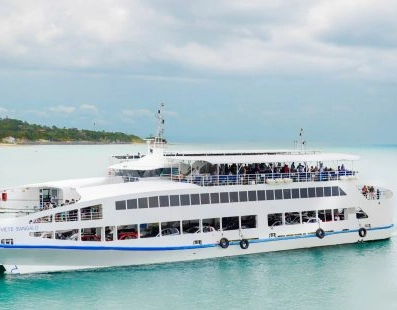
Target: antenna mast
[302,141]
[159,138]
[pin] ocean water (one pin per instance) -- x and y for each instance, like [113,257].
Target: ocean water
[357,276]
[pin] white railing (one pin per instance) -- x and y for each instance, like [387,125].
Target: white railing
[261,178]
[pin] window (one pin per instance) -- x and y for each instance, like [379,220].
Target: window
[335,191]
[248,221]
[164,201]
[360,214]
[66,234]
[262,195]
[191,226]
[339,214]
[309,216]
[87,214]
[321,215]
[233,197]
[149,230]
[170,228]
[312,192]
[71,215]
[142,202]
[174,200]
[252,195]
[287,193]
[328,215]
[292,218]
[195,199]
[341,192]
[269,194]
[243,196]
[303,192]
[295,193]
[48,218]
[278,193]
[224,197]
[230,223]
[205,198]
[185,200]
[327,191]
[319,192]
[274,219]
[132,204]
[154,202]
[214,198]
[126,232]
[91,234]
[210,224]
[120,205]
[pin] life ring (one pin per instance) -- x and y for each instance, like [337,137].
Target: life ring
[320,233]
[362,232]
[224,243]
[244,244]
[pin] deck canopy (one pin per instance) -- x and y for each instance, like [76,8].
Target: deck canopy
[260,157]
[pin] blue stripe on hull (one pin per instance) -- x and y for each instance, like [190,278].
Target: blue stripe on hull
[185,247]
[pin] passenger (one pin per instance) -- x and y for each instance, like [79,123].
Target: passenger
[364,191]
[372,192]
[300,168]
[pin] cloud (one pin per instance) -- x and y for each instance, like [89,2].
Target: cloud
[89,108]
[129,113]
[61,109]
[355,37]
[3,110]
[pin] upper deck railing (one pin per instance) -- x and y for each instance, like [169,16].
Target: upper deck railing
[261,178]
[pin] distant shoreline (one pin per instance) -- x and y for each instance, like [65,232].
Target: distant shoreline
[66,143]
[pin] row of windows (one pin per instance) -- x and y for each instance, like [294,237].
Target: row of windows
[226,197]
[293,218]
[149,230]
[86,214]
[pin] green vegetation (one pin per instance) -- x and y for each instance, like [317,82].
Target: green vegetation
[24,132]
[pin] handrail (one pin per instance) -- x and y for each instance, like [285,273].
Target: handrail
[261,178]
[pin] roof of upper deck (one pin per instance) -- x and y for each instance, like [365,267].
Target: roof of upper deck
[250,157]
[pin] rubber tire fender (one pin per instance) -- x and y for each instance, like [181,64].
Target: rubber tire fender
[224,243]
[320,233]
[362,232]
[244,244]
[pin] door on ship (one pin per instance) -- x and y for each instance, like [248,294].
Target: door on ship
[48,196]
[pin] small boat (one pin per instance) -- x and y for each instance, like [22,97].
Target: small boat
[188,205]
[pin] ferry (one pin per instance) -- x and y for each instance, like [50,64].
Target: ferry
[180,206]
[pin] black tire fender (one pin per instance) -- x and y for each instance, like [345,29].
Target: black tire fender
[244,244]
[362,232]
[320,233]
[224,243]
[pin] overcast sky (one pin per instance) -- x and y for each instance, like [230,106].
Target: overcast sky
[227,70]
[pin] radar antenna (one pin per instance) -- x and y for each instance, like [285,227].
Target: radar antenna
[159,138]
[301,143]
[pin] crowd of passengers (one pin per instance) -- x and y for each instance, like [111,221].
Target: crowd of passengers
[263,168]
[369,192]
[53,204]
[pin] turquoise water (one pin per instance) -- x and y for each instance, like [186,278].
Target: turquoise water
[358,276]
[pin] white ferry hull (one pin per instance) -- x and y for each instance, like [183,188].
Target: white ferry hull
[57,260]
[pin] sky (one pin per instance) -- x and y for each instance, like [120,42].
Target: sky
[227,71]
